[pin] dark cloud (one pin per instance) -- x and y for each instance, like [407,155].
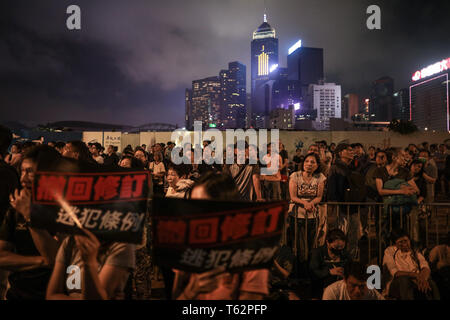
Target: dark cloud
[132,59]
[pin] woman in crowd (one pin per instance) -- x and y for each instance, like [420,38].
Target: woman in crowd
[128,161]
[179,185]
[141,156]
[215,284]
[306,189]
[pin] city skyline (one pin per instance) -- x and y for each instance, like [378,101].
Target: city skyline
[130,63]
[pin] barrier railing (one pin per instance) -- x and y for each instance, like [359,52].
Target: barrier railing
[368,226]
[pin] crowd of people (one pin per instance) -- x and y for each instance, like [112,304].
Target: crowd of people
[330,190]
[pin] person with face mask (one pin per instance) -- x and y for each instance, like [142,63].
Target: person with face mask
[327,262]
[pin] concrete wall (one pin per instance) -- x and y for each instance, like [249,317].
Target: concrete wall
[292,138]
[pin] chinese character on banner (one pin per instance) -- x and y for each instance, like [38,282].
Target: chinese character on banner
[193,258]
[90,217]
[64,217]
[127,191]
[217,258]
[49,186]
[264,255]
[132,221]
[203,230]
[235,227]
[241,258]
[171,232]
[79,188]
[106,187]
[274,214]
[110,220]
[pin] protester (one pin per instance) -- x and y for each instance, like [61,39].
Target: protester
[430,173]
[298,159]
[9,181]
[245,175]
[353,287]
[327,262]
[179,185]
[306,191]
[216,284]
[440,265]
[345,185]
[28,253]
[105,266]
[111,157]
[158,172]
[408,269]
[78,150]
[96,150]
[271,181]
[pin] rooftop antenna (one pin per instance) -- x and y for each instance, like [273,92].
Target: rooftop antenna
[265,11]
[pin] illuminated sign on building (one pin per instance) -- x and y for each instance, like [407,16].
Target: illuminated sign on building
[297,106]
[438,67]
[273,68]
[297,45]
[263,63]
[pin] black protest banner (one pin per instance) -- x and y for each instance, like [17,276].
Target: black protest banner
[198,235]
[112,205]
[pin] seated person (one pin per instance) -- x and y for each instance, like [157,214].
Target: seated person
[353,287]
[409,270]
[440,265]
[282,284]
[216,284]
[327,262]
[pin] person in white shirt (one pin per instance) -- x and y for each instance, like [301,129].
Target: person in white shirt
[409,270]
[271,181]
[353,287]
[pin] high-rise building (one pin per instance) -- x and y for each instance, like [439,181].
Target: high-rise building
[429,97]
[305,65]
[206,101]
[234,95]
[264,58]
[382,100]
[401,105]
[326,99]
[283,118]
[188,104]
[350,105]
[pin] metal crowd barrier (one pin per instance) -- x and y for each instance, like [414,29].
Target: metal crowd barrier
[427,224]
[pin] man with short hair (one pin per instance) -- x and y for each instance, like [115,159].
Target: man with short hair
[353,287]
[340,189]
[26,251]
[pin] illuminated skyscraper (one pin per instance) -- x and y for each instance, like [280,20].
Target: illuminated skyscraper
[206,102]
[264,56]
[234,96]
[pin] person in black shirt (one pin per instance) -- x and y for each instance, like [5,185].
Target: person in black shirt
[327,262]
[111,158]
[298,159]
[9,181]
[26,252]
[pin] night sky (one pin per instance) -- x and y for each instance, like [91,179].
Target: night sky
[132,59]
